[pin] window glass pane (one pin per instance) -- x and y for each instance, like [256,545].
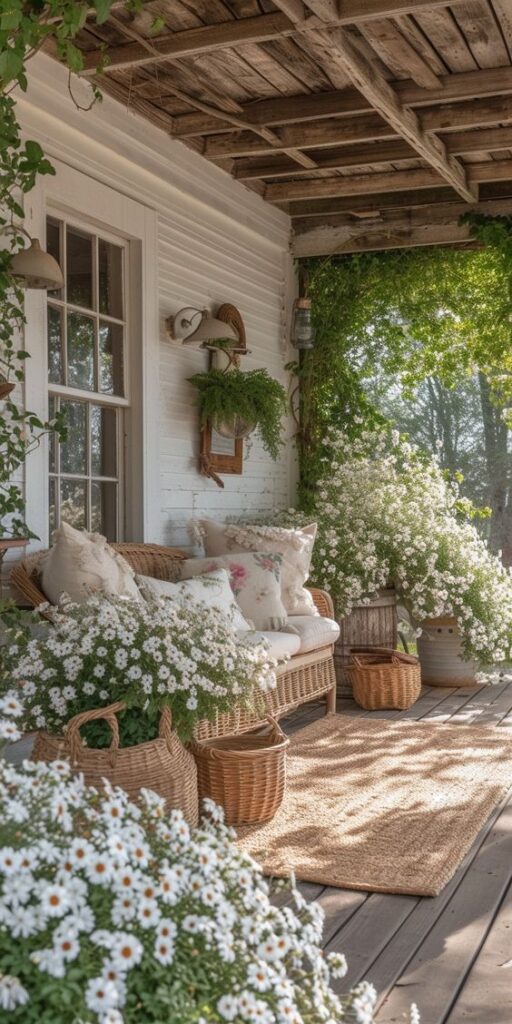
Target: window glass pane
[73,453]
[52,510]
[103,441]
[80,352]
[104,509]
[79,268]
[55,367]
[110,274]
[53,247]
[73,503]
[111,359]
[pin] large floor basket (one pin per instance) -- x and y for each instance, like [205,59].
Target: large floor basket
[162,764]
[384,679]
[245,774]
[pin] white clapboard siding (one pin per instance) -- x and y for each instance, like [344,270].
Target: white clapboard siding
[216,242]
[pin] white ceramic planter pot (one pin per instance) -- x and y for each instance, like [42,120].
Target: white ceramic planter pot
[440,654]
[235,428]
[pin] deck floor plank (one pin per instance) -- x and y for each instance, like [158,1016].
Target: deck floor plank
[442,953]
[490,981]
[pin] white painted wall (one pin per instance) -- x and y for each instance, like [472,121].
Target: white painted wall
[216,242]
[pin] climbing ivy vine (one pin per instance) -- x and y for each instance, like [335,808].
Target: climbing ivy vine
[25,25]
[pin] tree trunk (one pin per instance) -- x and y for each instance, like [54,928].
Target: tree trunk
[498,472]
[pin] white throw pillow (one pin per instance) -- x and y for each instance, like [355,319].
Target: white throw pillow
[80,564]
[255,581]
[295,546]
[212,589]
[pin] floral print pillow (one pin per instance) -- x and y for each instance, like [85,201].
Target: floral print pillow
[295,546]
[255,581]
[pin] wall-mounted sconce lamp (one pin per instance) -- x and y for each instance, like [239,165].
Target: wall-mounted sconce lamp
[33,267]
[185,327]
[303,332]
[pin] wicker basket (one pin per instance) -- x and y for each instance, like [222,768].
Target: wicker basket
[245,774]
[163,765]
[384,679]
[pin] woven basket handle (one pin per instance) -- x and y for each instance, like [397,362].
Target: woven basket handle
[395,660]
[277,732]
[74,740]
[165,727]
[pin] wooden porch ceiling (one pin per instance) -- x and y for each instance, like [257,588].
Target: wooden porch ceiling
[373,123]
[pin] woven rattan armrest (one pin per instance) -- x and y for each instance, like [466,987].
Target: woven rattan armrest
[147,559]
[323,602]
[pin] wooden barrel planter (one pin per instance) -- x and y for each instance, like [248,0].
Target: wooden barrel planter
[440,654]
[369,625]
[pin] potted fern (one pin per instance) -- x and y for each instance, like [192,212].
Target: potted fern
[236,403]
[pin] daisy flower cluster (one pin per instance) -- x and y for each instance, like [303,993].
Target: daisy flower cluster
[11,709]
[112,913]
[388,516]
[148,654]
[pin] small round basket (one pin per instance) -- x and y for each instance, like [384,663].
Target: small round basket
[245,774]
[384,679]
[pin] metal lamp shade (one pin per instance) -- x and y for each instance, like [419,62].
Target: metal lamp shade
[36,268]
[210,330]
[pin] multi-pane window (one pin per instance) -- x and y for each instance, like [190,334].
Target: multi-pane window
[87,339]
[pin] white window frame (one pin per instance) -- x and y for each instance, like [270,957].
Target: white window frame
[98,398]
[77,196]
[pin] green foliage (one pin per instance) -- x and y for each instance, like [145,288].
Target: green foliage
[253,395]
[407,316]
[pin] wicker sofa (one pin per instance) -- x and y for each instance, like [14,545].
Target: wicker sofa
[303,678]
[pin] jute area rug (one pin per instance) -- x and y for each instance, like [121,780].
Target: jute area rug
[382,806]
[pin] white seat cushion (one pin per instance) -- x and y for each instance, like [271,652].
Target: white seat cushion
[282,645]
[314,631]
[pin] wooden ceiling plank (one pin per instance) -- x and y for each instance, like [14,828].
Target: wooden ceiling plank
[402,119]
[476,20]
[412,32]
[503,11]
[368,204]
[396,51]
[443,32]
[193,41]
[482,140]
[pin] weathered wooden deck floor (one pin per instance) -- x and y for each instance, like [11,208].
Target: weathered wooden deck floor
[448,954]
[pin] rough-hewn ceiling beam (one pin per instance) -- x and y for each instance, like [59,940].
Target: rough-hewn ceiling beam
[394,230]
[313,106]
[387,181]
[385,100]
[192,41]
[323,133]
[352,185]
[367,154]
[364,205]
[351,11]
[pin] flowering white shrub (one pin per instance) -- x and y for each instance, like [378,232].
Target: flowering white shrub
[116,914]
[146,654]
[388,516]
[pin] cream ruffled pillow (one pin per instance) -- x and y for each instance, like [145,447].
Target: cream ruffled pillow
[212,589]
[81,563]
[295,546]
[255,581]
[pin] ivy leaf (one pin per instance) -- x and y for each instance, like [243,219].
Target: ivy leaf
[11,64]
[102,8]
